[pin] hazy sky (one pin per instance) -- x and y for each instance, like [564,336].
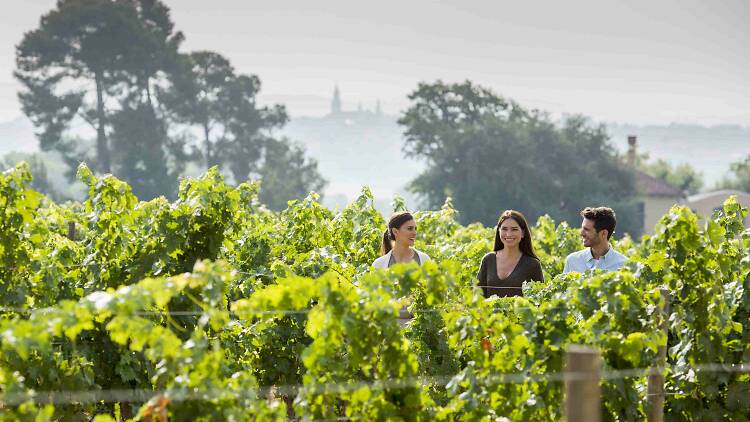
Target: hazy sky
[631,61]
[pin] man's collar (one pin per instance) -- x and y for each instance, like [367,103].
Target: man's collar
[604,257]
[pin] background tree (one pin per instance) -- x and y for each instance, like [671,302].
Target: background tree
[682,176]
[38,169]
[222,106]
[153,57]
[738,177]
[287,174]
[141,155]
[197,98]
[491,154]
[251,129]
[77,43]
[98,60]
[140,127]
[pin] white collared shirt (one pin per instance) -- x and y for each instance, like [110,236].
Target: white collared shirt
[583,261]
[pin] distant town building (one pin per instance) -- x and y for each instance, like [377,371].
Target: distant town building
[705,204]
[336,101]
[657,196]
[337,109]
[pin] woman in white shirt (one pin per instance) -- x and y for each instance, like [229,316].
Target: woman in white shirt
[397,246]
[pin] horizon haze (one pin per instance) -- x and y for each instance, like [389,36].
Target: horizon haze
[614,61]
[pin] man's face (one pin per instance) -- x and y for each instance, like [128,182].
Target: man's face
[589,234]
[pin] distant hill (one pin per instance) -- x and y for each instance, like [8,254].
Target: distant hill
[355,149]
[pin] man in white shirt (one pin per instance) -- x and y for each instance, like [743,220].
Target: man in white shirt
[597,227]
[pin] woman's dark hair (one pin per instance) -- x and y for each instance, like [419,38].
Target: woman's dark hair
[525,245]
[397,220]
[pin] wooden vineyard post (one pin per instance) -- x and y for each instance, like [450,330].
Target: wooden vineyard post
[582,393]
[656,374]
[71,230]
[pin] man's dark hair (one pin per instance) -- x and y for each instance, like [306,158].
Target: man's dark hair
[603,218]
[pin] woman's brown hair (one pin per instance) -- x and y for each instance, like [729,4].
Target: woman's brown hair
[397,220]
[526,246]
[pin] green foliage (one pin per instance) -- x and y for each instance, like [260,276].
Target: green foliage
[37,167]
[287,174]
[212,307]
[18,208]
[553,244]
[170,237]
[490,154]
[706,272]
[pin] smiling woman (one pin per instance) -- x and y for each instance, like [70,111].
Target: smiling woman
[398,242]
[397,247]
[513,261]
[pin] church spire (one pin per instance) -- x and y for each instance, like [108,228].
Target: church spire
[336,102]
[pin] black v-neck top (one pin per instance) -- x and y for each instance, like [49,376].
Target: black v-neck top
[527,269]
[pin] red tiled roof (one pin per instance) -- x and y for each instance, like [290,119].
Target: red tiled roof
[651,186]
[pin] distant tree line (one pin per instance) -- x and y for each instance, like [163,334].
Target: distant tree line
[116,66]
[738,177]
[489,154]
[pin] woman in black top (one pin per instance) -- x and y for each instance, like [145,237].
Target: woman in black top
[513,261]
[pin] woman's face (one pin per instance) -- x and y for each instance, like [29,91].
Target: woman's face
[510,233]
[407,233]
